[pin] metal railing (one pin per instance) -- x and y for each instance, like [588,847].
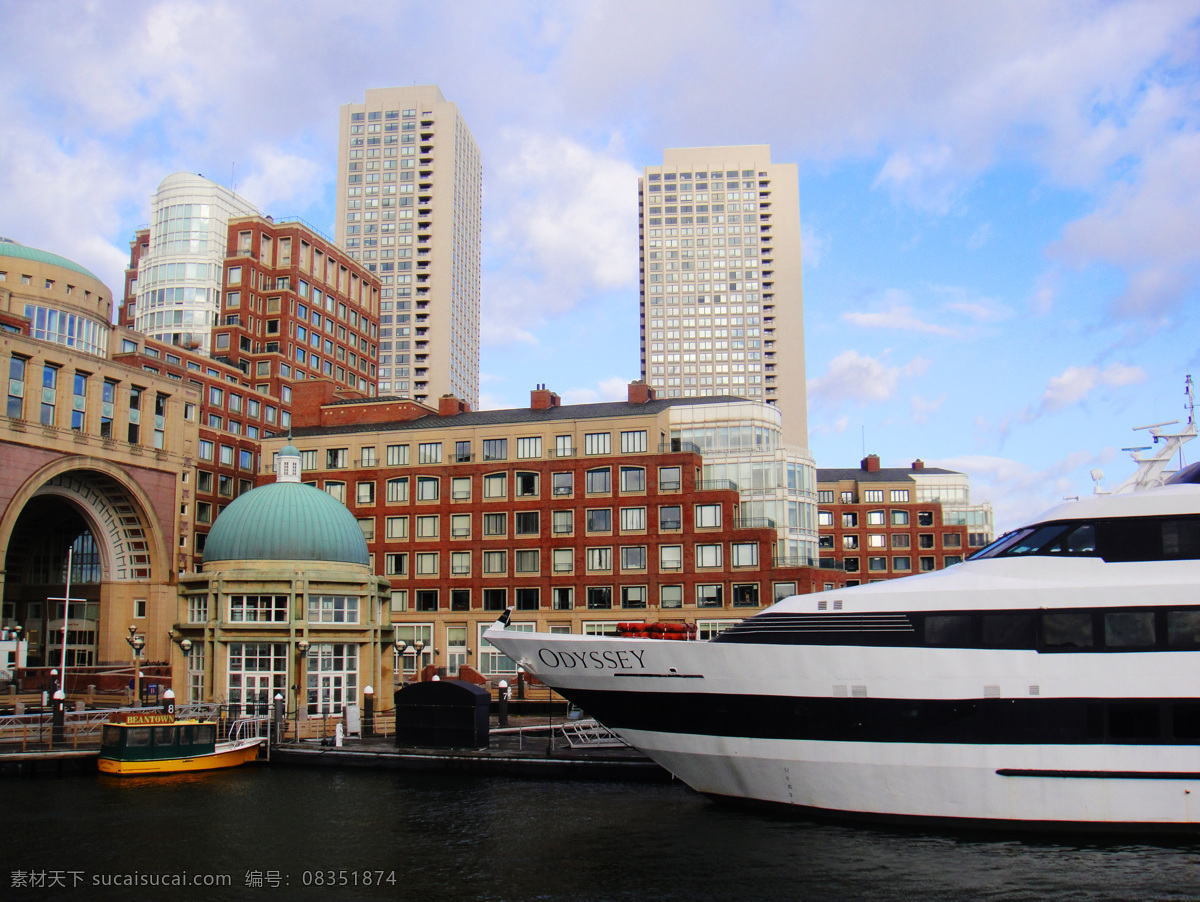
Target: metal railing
[709,484]
[754,523]
[678,446]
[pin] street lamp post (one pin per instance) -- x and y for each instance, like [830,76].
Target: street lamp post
[401,647]
[136,642]
[185,646]
[301,680]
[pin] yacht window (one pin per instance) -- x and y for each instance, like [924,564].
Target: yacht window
[951,630]
[1129,629]
[1007,631]
[1067,630]
[1183,629]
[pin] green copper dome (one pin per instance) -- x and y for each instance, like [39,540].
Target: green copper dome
[286,521]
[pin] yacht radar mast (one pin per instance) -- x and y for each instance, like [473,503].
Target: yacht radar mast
[1151,469]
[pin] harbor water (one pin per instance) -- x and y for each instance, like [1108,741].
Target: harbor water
[321,833]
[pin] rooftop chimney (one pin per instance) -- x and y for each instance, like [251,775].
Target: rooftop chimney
[640,392]
[870,463]
[449,405]
[918,464]
[541,398]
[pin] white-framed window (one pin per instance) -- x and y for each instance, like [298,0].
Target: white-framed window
[365,492]
[529,448]
[366,454]
[876,540]
[708,629]
[564,560]
[495,524]
[599,481]
[427,488]
[397,527]
[333,609]
[460,563]
[396,563]
[670,479]
[495,562]
[564,446]
[599,598]
[899,518]
[460,526]
[563,598]
[563,522]
[197,609]
[708,555]
[257,672]
[427,527]
[709,595]
[670,596]
[460,488]
[708,516]
[564,483]
[744,554]
[634,442]
[899,496]
[597,443]
[876,518]
[331,672]
[825,518]
[258,608]
[873,496]
[427,563]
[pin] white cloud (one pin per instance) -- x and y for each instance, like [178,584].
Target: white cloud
[979,237]
[279,178]
[615,388]
[922,407]
[812,247]
[861,379]
[1077,382]
[899,317]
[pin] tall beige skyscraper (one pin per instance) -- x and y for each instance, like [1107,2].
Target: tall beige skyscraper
[409,206]
[722,301]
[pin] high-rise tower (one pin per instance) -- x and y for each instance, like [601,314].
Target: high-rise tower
[722,308]
[409,206]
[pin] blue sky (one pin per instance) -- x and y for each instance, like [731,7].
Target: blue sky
[1000,202]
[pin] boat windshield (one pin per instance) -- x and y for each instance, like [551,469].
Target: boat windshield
[1117,539]
[1052,538]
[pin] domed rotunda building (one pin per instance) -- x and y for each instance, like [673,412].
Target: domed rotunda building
[286,599]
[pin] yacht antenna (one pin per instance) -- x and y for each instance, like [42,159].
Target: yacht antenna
[1151,469]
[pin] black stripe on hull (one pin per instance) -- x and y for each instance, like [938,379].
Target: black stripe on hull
[1000,828]
[980,721]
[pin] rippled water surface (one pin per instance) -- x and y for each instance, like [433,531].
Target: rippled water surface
[464,837]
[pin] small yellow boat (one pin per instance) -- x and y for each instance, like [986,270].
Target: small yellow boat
[156,743]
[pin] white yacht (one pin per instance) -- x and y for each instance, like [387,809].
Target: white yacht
[1052,681]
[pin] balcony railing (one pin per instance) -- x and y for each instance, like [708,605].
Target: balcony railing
[754,523]
[705,485]
[678,446]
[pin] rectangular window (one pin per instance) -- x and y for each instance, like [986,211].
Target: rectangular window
[332,609]
[427,488]
[258,608]
[460,526]
[899,518]
[670,517]
[599,481]
[669,479]
[336,489]
[563,560]
[597,443]
[599,559]
[336,458]
[564,522]
[709,596]
[397,455]
[460,488]
[462,452]
[599,598]
[873,496]
[633,596]
[745,595]
[494,524]
[633,442]
[495,449]
[708,516]
[875,518]
[563,446]
[427,563]
[365,492]
[460,563]
[708,555]
[429,453]
[427,527]
[527,560]
[495,562]
[16,395]
[599,520]
[397,527]
[495,599]
[528,599]
[745,554]
[564,598]
[670,596]
[633,519]
[529,448]
[899,496]
[427,599]
[526,523]
[564,483]
[633,557]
